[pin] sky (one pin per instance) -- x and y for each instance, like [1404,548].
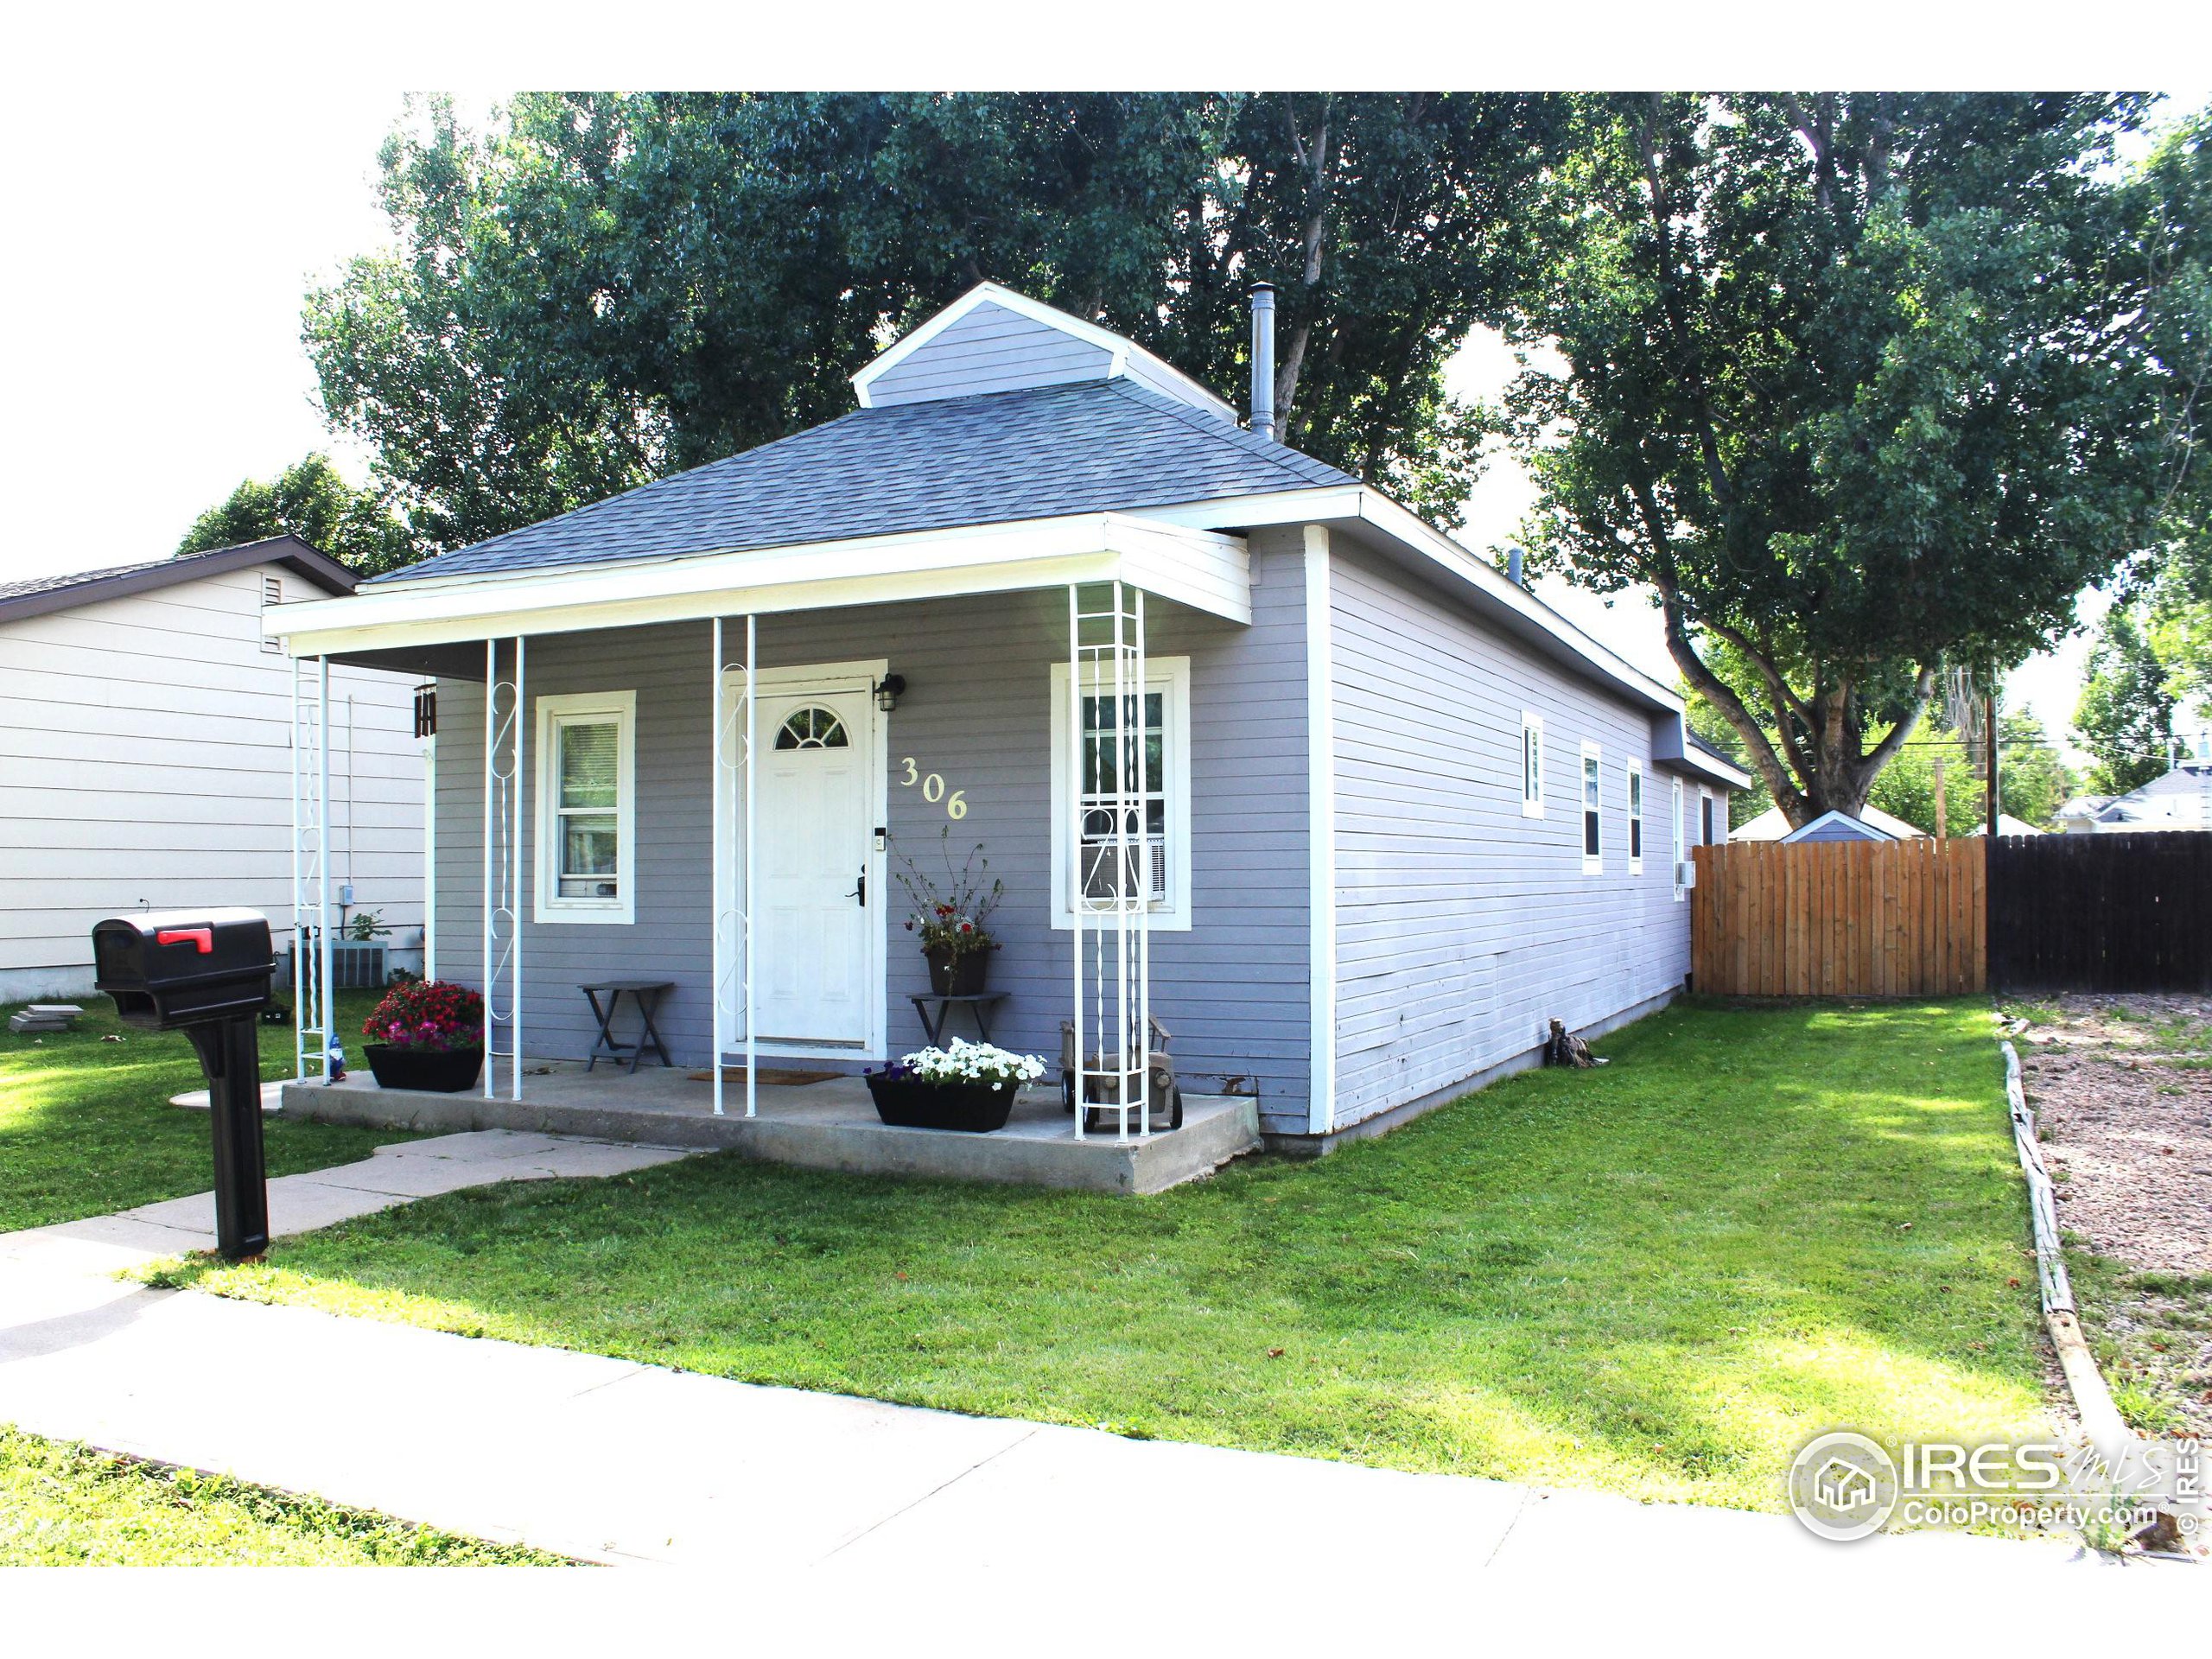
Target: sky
[156,359]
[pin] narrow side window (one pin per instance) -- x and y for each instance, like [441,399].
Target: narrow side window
[1635,817]
[1593,827]
[1532,766]
[1678,850]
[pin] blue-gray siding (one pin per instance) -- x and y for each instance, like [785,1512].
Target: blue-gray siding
[990,349]
[1233,990]
[1462,926]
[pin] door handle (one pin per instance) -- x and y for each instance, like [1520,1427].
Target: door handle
[861,892]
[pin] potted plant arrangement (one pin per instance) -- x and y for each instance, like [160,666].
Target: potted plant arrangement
[968,1086]
[951,919]
[426,1034]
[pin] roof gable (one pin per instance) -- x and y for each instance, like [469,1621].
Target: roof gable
[992,339]
[48,593]
[1834,826]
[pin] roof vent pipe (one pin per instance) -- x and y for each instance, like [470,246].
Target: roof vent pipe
[1513,566]
[1264,358]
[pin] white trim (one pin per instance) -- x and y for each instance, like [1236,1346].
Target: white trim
[1636,828]
[1589,815]
[1205,570]
[1117,349]
[732,846]
[1532,725]
[1321,836]
[430,856]
[547,905]
[1173,676]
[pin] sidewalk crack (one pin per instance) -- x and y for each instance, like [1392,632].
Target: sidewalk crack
[941,1485]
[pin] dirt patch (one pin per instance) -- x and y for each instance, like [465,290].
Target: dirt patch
[2121,1087]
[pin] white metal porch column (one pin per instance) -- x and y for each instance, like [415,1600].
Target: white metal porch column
[1112,861]
[503,900]
[312,1000]
[732,933]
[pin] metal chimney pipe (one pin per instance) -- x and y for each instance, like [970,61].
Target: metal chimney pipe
[1513,566]
[1264,358]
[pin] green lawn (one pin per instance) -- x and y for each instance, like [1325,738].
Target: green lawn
[65,1505]
[1658,1277]
[85,1126]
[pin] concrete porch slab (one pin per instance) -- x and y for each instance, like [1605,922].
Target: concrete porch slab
[830,1124]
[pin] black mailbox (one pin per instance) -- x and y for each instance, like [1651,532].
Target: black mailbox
[169,969]
[204,973]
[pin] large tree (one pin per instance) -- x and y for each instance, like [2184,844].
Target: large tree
[2125,714]
[311,500]
[611,287]
[1852,382]
[2173,197]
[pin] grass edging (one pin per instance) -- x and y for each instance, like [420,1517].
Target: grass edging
[2101,1418]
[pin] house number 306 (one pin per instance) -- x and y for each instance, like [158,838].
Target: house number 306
[933,787]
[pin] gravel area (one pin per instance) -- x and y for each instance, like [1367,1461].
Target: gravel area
[2122,1090]
[2121,1087]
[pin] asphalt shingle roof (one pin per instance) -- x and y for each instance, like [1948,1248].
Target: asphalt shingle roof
[74,579]
[1097,446]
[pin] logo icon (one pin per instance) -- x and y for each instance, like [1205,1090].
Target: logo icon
[1842,1487]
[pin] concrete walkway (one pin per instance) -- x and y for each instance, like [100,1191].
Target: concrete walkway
[608,1460]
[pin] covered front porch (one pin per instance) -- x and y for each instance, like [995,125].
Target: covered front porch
[824,1123]
[751,766]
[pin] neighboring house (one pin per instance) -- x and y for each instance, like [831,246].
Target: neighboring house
[2007,825]
[145,757]
[2180,799]
[1395,813]
[1873,824]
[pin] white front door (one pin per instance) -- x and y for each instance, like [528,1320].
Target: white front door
[815,917]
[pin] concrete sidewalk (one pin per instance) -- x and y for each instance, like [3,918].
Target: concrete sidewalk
[609,1460]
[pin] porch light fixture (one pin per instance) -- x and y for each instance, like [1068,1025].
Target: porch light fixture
[888,690]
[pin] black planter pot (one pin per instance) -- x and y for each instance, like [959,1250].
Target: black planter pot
[977,1108]
[444,1072]
[965,974]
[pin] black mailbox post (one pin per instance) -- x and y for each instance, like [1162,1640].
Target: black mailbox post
[204,973]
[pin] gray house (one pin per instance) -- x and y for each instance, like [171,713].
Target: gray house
[1378,815]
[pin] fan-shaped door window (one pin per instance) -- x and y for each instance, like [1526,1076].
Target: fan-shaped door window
[812,729]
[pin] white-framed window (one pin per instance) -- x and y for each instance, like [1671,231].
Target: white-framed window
[1704,816]
[1165,712]
[1532,766]
[272,593]
[1635,818]
[1676,848]
[587,808]
[1593,832]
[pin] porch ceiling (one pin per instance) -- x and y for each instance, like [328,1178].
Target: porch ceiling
[1205,570]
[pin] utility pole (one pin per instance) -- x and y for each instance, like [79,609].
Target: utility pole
[1942,815]
[1989,721]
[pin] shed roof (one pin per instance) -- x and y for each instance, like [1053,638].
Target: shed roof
[1099,446]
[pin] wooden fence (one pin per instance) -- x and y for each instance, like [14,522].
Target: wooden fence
[2105,912]
[1840,919]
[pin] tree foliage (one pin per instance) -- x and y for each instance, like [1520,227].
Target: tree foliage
[1850,381]
[310,500]
[2125,714]
[613,287]
[2173,196]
